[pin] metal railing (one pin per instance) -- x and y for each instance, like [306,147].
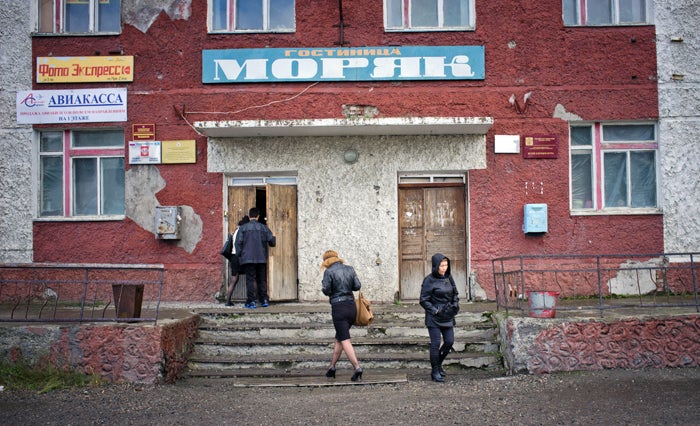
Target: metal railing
[602,282]
[52,292]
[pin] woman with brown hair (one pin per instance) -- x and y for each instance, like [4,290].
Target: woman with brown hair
[339,281]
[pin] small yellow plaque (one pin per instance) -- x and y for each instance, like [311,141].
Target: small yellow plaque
[179,152]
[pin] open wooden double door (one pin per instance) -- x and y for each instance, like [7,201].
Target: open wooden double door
[278,210]
[432,220]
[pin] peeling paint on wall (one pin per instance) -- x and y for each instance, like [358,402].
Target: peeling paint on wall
[141,14]
[562,113]
[142,185]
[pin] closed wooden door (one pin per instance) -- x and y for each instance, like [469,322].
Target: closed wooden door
[432,220]
[282,261]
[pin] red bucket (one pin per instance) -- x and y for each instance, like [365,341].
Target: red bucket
[543,304]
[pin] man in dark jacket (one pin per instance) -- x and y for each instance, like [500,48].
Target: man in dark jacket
[251,244]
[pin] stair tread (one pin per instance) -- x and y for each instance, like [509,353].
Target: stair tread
[366,341]
[248,325]
[258,358]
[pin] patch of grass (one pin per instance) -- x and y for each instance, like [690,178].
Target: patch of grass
[43,378]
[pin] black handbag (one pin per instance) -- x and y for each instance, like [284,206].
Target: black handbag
[227,249]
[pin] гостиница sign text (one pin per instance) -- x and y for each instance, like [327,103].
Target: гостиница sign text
[388,63]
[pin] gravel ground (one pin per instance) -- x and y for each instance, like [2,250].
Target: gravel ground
[617,397]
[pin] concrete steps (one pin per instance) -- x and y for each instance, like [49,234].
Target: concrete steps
[292,339]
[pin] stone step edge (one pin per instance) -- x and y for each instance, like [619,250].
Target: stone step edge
[380,341]
[316,325]
[263,359]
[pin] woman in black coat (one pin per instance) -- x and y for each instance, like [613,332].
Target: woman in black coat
[339,281]
[439,298]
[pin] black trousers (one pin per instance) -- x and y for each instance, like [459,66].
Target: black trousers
[255,273]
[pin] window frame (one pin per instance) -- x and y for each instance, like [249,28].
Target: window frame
[597,150]
[59,18]
[68,153]
[406,6]
[581,14]
[231,21]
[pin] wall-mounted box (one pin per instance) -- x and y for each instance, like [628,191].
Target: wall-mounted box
[535,218]
[168,219]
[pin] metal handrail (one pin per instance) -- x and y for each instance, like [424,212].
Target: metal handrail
[80,292]
[674,276]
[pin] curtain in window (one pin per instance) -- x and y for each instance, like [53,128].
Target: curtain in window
[581,181]
[643,176]
[599,12]
[633,11]
[84,186]
[615,179]
[424,13]
[109,19]
[112,186]
[51,186]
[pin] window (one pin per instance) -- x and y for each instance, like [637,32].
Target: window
[79,16]
[81,173]
[607,12]
[251,16]
[613,167]
[428,15]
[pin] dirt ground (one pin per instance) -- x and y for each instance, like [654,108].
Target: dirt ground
[617,397]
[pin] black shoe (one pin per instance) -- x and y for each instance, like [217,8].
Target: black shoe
[435,375]
[442,371]
[228,304]
[331,373]
[357,376]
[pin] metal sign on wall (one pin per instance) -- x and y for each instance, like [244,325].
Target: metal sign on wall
[71,106]
[83,69]
[385,63]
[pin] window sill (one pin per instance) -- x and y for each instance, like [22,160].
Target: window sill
[615,212]
[80,218]
[107,33]
[427,30]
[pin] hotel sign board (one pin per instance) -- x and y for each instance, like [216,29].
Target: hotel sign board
[84,69]
[385,63]
[71,106]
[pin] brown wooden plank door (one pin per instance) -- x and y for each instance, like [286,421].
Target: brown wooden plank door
[240,200]
[411,242]
[282,261]
[432,220]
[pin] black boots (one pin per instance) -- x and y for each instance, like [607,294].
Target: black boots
[357,376]
[444,351]
[435,364]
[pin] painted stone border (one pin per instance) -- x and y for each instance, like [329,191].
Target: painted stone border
[134,353]
[531,345]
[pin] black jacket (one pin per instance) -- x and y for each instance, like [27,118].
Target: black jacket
[339,281]
[439,296]
[251,243]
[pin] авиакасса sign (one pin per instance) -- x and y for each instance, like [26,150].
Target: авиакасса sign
[71,106]
[387,63]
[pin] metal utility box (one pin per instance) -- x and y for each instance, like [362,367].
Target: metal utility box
[535,220]
[168,220]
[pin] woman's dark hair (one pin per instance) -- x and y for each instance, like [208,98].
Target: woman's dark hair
[245,219]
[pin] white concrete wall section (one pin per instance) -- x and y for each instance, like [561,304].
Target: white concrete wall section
[16,194]
[351,208]
[678,58]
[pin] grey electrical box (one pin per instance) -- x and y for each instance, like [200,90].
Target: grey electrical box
[168,219]
[535,220]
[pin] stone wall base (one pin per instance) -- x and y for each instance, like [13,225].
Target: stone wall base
[532,345]
[134,353]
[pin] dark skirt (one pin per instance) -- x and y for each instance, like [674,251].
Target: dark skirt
[343,314]
[235,263]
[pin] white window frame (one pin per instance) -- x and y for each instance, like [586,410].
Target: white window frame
[231,21]
[68,154]
[597,151]
[580,9]
[407,26]
[58,17]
